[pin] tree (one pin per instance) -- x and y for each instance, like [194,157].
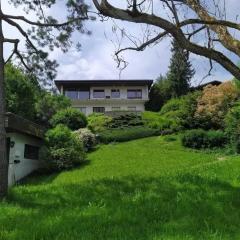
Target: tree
[47,105]
[180,71]
[17,84]
[159,94]
[44,31]
[186,21]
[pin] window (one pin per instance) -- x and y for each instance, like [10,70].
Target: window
[31,152]
[77,94]
[99,109]
[98,93]
[83,109]
[116,108]
[134,93]
[71,93]
[115,93]
[132,108]
[83,94]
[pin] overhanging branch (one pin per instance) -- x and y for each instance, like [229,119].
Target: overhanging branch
[108,10]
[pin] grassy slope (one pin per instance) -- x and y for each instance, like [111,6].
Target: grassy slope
[144,189]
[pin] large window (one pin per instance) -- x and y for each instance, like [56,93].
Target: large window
[99,109]
[115,93]
[71,93]
[98,93]
[81,94]
[134,93]
[31,152]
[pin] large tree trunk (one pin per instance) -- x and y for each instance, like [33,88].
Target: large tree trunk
[3,150]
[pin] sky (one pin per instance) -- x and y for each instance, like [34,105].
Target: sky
[96,59]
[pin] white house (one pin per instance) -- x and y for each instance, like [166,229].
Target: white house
[106,95]
[24,140]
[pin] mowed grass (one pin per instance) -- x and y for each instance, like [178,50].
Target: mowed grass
[145,189]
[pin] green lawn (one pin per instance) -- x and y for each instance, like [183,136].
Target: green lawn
[144,189]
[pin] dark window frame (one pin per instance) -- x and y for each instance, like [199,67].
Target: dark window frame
[99,91]
[77,92]
[136,91]
[114,91]
[95,108]
[31,152]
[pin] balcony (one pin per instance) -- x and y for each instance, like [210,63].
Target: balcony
[108,100]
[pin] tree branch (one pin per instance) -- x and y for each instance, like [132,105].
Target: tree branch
[40,24]
[108,10]
[22,32]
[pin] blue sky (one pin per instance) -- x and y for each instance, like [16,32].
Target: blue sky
[96,60]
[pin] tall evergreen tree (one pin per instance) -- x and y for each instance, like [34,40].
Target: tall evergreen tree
[180,71]
[159,94]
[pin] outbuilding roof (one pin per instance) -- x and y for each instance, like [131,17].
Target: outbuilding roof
[15,123]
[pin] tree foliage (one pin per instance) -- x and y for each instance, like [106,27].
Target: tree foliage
[158,95]
[180,71]
[49,104]
[21,92]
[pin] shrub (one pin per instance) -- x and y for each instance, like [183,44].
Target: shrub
[126,119]
[214,103]
[63,149]
[179,112]
[122,135]
[97,122]
[199,138]
[72,118]
[87,137]
[232,126]
[156,121]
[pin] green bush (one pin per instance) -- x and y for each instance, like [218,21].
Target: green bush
[181,111]
[126,119]
[127,134]
[87,137]
[156,121]
[63,149]
[98,122]
[199,138]
[232,126]
[72,118]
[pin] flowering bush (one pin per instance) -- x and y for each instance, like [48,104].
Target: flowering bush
[87,137]
[63,149]
[214,103]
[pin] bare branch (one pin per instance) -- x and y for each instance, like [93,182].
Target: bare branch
[40,24]
[107,9]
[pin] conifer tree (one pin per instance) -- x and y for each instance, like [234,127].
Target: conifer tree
[180,71]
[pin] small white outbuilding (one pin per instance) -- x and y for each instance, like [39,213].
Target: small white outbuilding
[24,140]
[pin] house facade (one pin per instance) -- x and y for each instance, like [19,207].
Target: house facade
[102,96]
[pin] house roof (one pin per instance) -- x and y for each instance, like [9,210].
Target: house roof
[214,83]
[15,123]
[103,82]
